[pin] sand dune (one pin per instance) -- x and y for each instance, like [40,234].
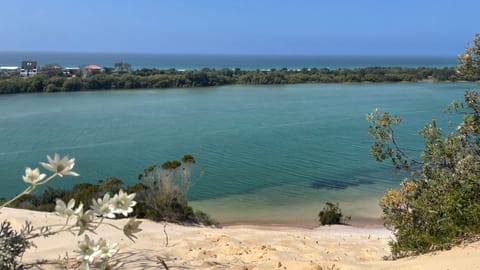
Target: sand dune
[243,247]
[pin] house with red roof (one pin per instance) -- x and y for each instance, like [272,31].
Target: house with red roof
[91,69]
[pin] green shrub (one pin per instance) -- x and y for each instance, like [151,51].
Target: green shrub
[205,219]
[12,246]
[161,196]
[166,207]
[49,196]
[85,192]
[162,193]
[440,204]
[331,214]
[469,61]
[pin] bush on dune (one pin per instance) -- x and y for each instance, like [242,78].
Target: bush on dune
[162,193]
[439,205]
[161,197]
[332,214]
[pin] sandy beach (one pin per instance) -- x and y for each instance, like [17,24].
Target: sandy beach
[242,247]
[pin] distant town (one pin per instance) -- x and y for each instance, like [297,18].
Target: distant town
[30,68]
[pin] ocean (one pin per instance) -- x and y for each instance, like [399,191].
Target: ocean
[272,154]
[245,62]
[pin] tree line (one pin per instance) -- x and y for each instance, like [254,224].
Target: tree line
[171,78]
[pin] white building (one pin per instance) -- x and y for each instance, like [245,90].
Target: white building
[72,71]
[8,69]
[29,68]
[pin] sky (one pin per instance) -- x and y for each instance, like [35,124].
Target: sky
[249,27]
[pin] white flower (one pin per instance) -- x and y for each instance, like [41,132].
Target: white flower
[87,251]
[106,250]
[103,207]
[59,166]
[84,221]
[33,176]
[122,203]
[67,210]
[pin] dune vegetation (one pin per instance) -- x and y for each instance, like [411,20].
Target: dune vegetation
[439,205]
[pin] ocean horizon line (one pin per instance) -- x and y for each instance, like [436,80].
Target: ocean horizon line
[220,61]
[230,54]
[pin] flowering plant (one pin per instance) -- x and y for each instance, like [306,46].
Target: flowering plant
[91,254]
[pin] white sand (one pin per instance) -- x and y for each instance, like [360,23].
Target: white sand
[244,247]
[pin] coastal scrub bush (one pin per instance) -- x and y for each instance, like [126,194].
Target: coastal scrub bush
[469,67]
[86,192]
[331,214]
[205,219]
[83,193]
[439,205]
[92,254]
[12,246]
[171,205]
[162,193]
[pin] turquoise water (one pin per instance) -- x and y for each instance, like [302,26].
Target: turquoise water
[267,153]
[246,62]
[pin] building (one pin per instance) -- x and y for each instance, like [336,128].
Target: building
[52,70]
[91,69]
[8,70]
[72,71]
[28,68]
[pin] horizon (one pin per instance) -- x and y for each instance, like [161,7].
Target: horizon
[229,54]
[219,61]
[213,27]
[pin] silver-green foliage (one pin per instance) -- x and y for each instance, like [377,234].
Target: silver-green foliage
[469,61]
[12,246]
[439,204]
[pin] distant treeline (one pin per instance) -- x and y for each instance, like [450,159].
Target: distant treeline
[171,78]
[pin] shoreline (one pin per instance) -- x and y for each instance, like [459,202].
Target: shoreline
[239,247]
[207,77]
[424,81]
[250,210]
[366,222]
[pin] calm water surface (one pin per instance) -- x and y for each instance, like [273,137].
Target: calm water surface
[267,153]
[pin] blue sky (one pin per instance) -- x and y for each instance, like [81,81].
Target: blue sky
[348,27]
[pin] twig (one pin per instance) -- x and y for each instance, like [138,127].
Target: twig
[162,262]
[165,232]
[399,150]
